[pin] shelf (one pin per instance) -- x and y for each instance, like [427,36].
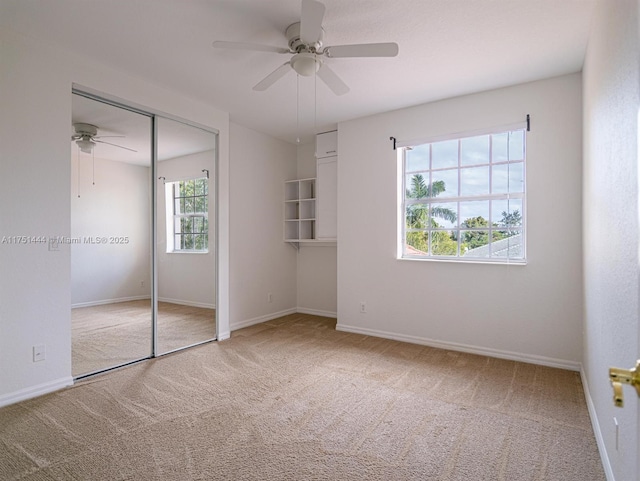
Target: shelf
[299,210]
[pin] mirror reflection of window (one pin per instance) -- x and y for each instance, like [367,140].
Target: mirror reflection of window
[187,214]
[186,248]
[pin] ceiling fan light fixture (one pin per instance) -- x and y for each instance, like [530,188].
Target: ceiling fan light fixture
[306,64]
[85,145]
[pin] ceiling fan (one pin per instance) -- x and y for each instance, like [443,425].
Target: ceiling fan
[305,40]
[86,137]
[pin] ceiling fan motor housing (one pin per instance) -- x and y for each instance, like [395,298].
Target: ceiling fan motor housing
[85,129]
[297,45]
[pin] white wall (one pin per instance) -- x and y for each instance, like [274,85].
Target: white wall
[610,195]
[531,312]
[316,264]
[187,278]
[35,124]
[118,205]
[262,262]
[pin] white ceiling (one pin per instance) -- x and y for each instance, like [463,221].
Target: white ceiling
[447,48]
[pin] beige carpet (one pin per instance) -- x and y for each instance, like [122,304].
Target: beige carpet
[114,334]
[293,399]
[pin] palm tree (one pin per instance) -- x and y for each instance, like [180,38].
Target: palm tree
[417,217]
[417,214]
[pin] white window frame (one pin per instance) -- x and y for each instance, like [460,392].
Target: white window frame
[173,217]
[404,202]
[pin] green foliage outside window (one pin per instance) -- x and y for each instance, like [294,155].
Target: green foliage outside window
[443,242]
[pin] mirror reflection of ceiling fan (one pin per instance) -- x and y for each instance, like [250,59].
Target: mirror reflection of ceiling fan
[305,40]
[86,137]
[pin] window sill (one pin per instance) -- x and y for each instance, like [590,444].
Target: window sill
[189,252]
[465,261]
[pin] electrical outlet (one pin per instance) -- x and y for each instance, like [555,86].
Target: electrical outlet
[269,298]
[363,307]
[141,283]
[39,353]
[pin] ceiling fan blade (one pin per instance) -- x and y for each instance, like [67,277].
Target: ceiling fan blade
[115,145]
[311,21]
[273,77]
[332,81]
[256,47]
[108,136]
[363,50]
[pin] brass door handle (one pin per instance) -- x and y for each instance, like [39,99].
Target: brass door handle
[619,377]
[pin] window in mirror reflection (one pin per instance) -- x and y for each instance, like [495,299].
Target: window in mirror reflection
[187,215]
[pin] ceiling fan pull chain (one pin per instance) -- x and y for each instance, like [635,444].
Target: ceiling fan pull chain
[78,157]
[297,109]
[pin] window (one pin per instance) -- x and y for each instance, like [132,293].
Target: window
[187,215]
[464,198]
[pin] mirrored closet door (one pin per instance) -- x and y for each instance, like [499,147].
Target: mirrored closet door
[185,227]
[111,262]
[130,301]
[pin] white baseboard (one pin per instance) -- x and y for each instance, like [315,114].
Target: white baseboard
[317,312]
[259,319]
[187,303]
[109,301]
[223,336]
[604,457]
[102,302]
[454,346]
[35,391]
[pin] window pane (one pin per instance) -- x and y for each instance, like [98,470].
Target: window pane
[516,177]
[197,224]
[474,214]
[188,241]
[499,144]
[445,183]
[474,150]
[474,181]
[417,186]
[186,225]
[509,246]
[189,205]
[417,216]
[474,243]
[500,178]
[417,158]
[445,154]
[199,187]
[444,243]
[200,203]
[516,145]
[200,243]
[416,243]
[444,215]
[506,214]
